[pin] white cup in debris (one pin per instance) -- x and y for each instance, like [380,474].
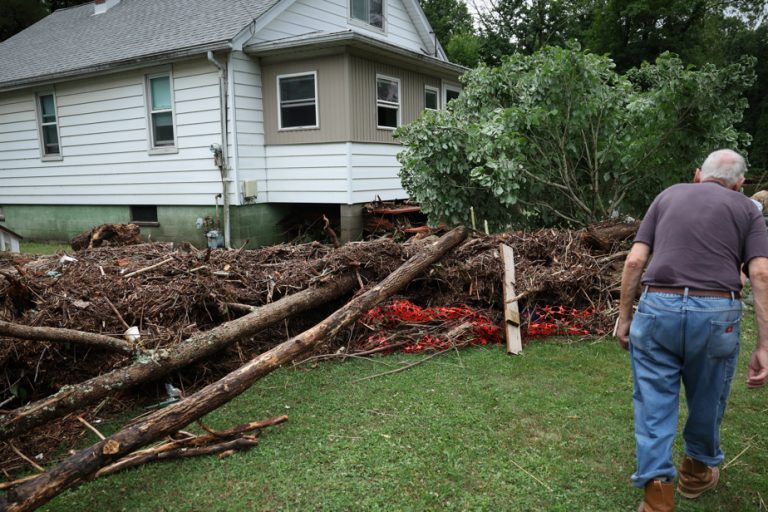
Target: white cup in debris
[132,334]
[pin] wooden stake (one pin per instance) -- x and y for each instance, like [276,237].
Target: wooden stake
[511,311]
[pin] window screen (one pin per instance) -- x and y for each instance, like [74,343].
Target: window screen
[387,102]
[161,111]
[48,126]
[368,11]
[298,101]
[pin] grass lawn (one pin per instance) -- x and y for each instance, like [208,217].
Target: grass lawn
[550,430]
[44,248]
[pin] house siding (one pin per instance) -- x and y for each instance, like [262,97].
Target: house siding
[104,143]
[375,173]
[363,82]
[311,16]
[246,96]
[333,104]
[308,173]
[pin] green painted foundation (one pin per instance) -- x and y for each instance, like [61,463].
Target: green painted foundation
[256,223]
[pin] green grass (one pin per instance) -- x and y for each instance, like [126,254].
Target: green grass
[550,430]
[44,248]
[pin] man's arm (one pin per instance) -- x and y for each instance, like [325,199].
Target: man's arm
[757,372]
[630,280]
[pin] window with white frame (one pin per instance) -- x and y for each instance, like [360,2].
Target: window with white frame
[160,92]
[431,98]
[49,125]
[387,102]
[370,12]
[297,101]
[450,93]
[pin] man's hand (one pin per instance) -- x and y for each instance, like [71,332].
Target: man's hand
[757,370]
[622,332]
[630,280]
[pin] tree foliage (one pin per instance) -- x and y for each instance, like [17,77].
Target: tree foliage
[16,15]
[560,137]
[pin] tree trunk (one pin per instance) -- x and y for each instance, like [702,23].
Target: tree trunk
[85,463]
[26,332]
[199,346]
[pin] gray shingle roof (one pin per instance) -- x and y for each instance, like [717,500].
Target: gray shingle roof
[74,39]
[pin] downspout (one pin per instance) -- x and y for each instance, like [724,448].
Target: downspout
[224,164]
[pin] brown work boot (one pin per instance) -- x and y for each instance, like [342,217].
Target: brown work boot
[659,497]
[696,478]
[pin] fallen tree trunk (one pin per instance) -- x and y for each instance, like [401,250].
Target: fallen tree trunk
[146,368]
[82,465]
[26,332]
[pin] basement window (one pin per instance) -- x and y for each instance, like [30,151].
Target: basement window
[297,101]
[144,215]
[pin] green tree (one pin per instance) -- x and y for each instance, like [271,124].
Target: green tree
[560,137]
[18,15]
[454,28]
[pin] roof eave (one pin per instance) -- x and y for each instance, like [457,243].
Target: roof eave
[118,65]
[348,38]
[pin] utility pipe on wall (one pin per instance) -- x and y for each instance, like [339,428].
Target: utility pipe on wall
[224,167]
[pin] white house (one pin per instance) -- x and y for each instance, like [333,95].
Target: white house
[165,112]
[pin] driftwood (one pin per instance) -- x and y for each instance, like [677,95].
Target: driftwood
[603,237]
[154,366]
[26,332]
[107,234]
[83,464]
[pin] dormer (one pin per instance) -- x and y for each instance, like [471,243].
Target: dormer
[102,6]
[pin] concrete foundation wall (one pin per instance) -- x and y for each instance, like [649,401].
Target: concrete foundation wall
[256,223]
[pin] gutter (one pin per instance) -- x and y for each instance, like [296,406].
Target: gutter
[224,167]
[114,66]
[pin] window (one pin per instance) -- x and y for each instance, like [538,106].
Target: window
[161,111]
[146,215]
[451,92]
[387,102]
[370,12]
[49,127]
[297,100]
[431,98]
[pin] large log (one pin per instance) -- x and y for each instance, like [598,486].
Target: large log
[27,332]
[146,368]
[83,464]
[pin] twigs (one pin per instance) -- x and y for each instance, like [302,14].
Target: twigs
[406,367]
[29,461]
[147,269]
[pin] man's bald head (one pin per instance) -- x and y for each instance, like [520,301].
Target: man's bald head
[724,165]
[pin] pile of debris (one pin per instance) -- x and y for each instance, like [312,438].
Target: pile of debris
[81,331]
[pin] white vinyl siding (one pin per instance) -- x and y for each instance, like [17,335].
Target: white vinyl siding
[342,173]
[249,156]
[306,17]
[104,129]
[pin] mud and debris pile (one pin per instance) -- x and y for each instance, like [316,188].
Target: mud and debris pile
[567,281]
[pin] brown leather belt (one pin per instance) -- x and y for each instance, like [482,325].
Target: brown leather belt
[694,293]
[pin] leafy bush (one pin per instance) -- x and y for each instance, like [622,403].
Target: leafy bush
[558,137]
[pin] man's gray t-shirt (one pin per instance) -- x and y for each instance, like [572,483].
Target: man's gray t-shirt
[700,234]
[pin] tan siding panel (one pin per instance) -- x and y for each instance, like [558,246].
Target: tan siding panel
[332,98]
[363,76]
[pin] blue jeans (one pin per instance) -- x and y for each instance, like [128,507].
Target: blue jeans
[674,337]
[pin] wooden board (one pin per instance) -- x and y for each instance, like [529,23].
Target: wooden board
[511,311]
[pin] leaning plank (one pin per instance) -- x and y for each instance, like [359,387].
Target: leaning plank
[146,368]
[83,464]
[26,332]
[511,311]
